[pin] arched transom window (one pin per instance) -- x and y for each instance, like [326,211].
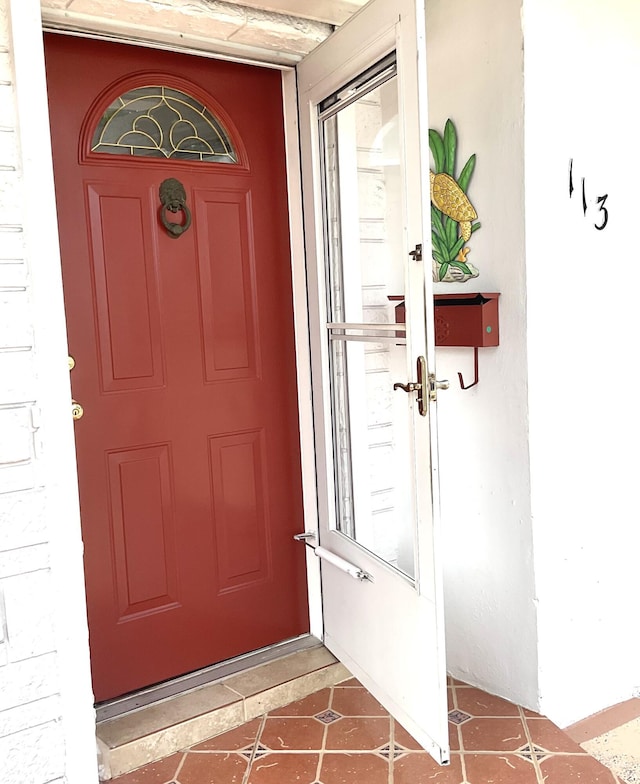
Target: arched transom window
[161,122]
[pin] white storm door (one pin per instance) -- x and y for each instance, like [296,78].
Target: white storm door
[364,139]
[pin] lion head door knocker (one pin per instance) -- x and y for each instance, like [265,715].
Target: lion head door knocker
[173,197]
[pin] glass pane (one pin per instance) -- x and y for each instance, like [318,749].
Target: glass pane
[160,122]
[365,213]
[365,276]
[372,450]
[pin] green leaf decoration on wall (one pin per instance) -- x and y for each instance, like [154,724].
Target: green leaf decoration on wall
[467,171]
[450,142]
[453,217]
[437,149]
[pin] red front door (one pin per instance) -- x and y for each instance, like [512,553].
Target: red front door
[188,450]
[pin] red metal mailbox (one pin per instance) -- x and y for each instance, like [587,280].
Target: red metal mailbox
[467,320]
[461,319]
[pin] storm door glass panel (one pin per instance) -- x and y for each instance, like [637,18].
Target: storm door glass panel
[160,122]
[365,276]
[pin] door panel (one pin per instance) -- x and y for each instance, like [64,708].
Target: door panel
[126,289]
[143,529]
[188,451]
[226,266]
[365,177]
[238,469]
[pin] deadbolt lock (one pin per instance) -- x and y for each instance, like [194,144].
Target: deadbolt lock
[77,412]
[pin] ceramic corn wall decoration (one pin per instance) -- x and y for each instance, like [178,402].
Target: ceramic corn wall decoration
[452,214]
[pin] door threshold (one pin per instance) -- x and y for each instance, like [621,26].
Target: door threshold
[253,685]
[216,672]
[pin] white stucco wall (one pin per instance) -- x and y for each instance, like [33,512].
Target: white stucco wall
[46,705]
[582,70]
[475,65]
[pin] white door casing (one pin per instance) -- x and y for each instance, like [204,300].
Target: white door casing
[389,629]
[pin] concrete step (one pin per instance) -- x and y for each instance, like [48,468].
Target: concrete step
[153,732]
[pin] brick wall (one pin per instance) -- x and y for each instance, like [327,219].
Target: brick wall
[45,710]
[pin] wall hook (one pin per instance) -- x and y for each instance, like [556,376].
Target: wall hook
[475,369]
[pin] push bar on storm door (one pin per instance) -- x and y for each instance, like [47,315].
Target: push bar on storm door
[351,569]
[326,555]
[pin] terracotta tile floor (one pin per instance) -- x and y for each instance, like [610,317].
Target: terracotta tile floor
[342,735]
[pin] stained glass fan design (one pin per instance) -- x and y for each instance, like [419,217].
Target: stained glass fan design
[161,122]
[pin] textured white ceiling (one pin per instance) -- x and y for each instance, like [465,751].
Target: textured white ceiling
[331,11]
[278,31]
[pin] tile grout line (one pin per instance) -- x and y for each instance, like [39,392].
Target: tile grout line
[321,751]
[176,775]
[325,732]
[392,748]
[256,743]
[534,756]
[463,764]
[502,752]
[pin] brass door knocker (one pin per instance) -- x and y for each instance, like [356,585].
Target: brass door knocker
[173,197]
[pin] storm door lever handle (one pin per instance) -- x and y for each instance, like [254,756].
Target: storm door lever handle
[420,386]
[412,386]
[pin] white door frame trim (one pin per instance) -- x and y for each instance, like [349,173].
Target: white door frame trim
[116,32]
[303,346]
[54,391]
[55,490]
